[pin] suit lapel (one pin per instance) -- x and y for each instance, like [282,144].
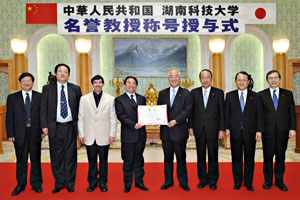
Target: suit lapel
[168,98]
[20,99]
[269,98]
[54,93]
[211,97]
[280,100]
[200,97]
[248,101]
[92,101]
[177,96]
[33,99]
[236,97]
[101,103]
[70,95]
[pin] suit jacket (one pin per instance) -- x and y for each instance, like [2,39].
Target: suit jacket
[16,117]
[251,119]
[284,119]
[180,111]
[127,114]
[49,106]
[212,117]
[97,123]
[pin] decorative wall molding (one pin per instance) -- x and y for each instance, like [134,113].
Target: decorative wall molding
[32,51]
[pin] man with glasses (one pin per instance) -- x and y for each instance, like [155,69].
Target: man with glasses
[59,116]
[279,125]
[207,124]
[174,135]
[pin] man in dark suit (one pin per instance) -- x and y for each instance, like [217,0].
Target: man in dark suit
[59,116]
[244,127]
[174,135]
[280,125]
[133,135]
[207,124]
[24,130]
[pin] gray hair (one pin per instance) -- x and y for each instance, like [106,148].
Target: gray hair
[174,68]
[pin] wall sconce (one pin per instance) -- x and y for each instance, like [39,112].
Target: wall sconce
[280,63]
[20,62]
[84,65]
[216,61]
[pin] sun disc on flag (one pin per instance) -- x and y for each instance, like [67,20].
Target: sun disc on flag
[260,13]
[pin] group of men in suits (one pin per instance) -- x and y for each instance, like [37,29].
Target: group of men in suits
[61,113]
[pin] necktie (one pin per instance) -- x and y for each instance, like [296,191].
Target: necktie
[173,96]
[27,106]
[63,103]
[275,100]
[205,98]
[132,99]
[242,101]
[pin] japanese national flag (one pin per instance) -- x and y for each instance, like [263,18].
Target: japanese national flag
[258,13]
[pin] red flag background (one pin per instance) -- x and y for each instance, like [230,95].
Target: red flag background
[41,13]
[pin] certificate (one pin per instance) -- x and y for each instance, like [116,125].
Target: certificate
[152,115]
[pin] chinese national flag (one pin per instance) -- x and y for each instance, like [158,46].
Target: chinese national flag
[41,13]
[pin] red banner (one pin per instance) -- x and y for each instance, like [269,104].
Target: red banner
[41,13]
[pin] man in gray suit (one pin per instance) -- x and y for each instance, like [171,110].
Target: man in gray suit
[97,125]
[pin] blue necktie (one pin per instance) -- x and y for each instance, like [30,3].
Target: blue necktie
[205,98]
[63,103]
[242,101]
[27,106]
[173,96]
[275,100]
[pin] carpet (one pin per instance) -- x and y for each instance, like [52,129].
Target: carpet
[153,180]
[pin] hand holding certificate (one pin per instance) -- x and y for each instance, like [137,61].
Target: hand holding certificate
[152,115]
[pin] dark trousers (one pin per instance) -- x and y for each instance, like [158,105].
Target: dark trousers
[92,152]
[63,155]
[274,146]
[212,175]
[22,151]
[170,147]
[243,146]
[133,162]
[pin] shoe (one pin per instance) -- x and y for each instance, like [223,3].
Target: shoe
[103,187]
[267,186]
[250,188]
[56,190]
[127,189]
[17,190]
[281,186]
[202,185]
[38,189]
[91,188]
[166,186]
[213,186]
[141,186]
[185,187]
[236,186]
[70,189]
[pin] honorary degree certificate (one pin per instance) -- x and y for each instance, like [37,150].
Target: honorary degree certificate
[153,115]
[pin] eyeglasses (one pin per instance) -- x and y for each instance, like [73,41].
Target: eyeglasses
[273,78]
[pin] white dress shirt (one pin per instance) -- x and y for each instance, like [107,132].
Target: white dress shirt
[277,92]
[207,91]
[134,96]
[24,95]
[245,92]
[58,116]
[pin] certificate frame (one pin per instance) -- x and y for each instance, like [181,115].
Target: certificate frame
[152,115]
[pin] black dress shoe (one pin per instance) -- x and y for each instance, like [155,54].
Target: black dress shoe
[213,186]
[38,189]
[103,188]
[267,186]
[236,186]
[166,186]
[17,190]
[250,188]
[56,190]
[141,186]
[185,187]
[281,186]
[70,189]
[127,189]
[202,185]
[91,188]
